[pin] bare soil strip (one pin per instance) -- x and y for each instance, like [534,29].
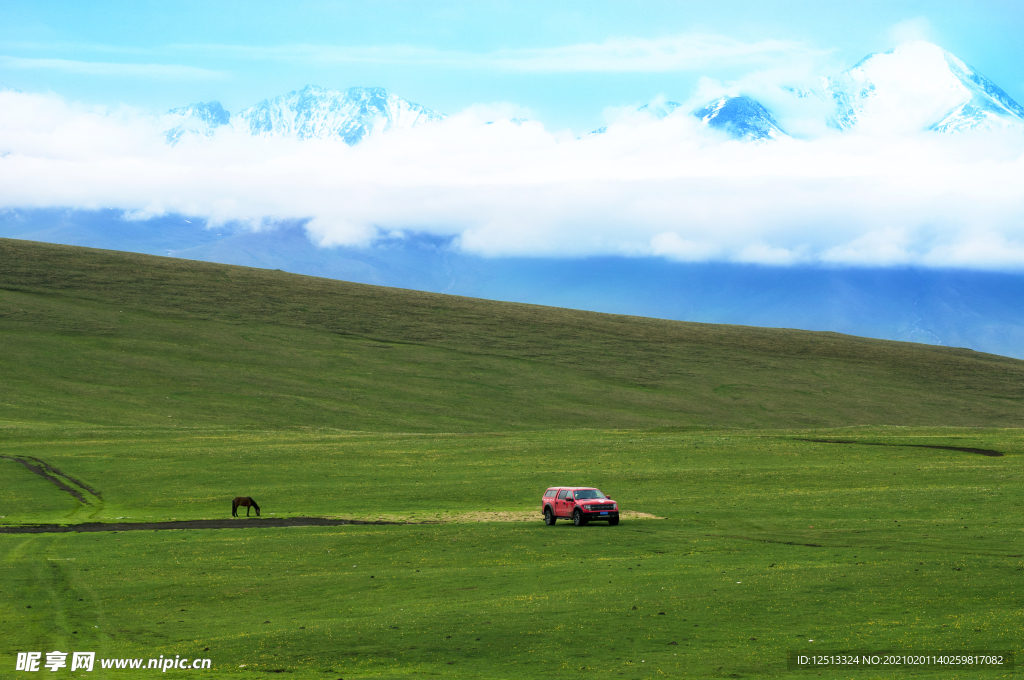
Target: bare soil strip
[277,522]
[962,449]
[251,523]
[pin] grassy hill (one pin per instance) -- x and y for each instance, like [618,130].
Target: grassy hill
[106,337]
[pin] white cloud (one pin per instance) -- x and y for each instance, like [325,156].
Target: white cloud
[616,55]
[672,53]
[647,188]
[106,68]
[671,245]
[911,30]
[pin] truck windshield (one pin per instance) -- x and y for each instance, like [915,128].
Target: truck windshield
[588,493]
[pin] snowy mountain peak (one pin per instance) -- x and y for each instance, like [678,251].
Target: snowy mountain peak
[318,113]
[211,113]
[918,86]
[199,118]
[742,117]
[659,108]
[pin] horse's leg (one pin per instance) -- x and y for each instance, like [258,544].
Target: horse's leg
[234,509]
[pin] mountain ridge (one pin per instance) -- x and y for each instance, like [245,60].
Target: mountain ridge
[312,112]
[914,87]
[319,113]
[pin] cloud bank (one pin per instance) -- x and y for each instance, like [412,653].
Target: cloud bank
[682,52]
[116,69]
[667,188]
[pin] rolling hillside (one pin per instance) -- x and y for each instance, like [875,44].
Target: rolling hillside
[112,338]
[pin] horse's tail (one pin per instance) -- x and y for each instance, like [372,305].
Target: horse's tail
[234,508]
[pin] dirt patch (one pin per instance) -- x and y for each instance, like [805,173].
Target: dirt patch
[962,449]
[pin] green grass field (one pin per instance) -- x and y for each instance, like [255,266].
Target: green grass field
[97,337]
[326,399]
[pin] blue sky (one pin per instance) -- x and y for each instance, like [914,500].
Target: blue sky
[563,62]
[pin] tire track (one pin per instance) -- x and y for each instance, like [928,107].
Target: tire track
[831,545]
[65,475]
[961,449]
[50,474]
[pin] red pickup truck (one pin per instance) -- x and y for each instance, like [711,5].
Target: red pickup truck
[582,504]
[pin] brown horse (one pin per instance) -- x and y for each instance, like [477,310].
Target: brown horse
[247,502]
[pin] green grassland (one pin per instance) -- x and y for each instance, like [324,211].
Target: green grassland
[100,337]
[169,387]
[764,536]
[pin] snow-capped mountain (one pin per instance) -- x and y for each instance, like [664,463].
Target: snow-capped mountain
[659,108]
[310,113]
[318,113]
[200,118]
[918,86]
[915,87]
[742,117]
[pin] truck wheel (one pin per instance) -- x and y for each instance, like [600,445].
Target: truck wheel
[613,521]
[549,518]
[578,519]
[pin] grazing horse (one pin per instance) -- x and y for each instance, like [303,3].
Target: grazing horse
[247,502]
